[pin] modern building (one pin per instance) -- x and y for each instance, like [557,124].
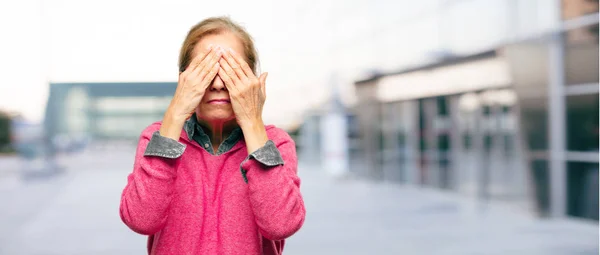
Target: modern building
[445,125]
[105,110]
[516,123]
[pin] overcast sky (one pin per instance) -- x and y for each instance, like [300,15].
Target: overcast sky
[301,43]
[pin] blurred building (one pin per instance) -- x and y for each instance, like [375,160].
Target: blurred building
[310,135]
[450,125]
[5,131]
[509,115]
[556,80]
[105,110]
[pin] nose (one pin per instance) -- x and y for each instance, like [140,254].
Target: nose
[217,84]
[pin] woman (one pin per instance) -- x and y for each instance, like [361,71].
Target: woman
[211,178]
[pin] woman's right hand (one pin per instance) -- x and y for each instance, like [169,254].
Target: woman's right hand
[190,89]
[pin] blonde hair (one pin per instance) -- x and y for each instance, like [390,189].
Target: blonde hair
[216,25]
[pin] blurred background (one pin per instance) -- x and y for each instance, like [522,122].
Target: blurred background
[422,127]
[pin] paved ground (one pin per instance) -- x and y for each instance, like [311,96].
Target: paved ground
[77,213]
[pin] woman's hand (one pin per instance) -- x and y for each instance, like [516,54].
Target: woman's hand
[247,92]
[248,95]
[190,89]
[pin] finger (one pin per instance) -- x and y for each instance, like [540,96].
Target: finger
[230,72]
[207,65]
[263,82]
[247,70]
[226,79]
[210,76]
[237,66]
[199,58]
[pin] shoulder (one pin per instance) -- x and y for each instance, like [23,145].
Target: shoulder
[150,129]
[277,135]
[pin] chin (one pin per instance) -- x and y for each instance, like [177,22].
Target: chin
[218,117]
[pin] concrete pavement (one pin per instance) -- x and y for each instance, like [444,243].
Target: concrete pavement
[77,213]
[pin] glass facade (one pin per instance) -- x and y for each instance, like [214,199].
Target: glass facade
[582,122]
[558,97]
[582,189]
[105,110]
[530,139]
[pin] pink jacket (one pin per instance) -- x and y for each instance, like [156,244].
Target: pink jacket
[199,203]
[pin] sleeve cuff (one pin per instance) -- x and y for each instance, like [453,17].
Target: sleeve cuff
[268,155]
[164,147]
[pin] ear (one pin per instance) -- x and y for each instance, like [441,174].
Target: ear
[263,82]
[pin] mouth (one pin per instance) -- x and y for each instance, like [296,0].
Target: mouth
[219,101]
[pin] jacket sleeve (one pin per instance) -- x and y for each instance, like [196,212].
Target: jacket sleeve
[150,187]
[274,188]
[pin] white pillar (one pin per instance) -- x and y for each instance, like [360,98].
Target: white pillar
[334,143]
[556,122]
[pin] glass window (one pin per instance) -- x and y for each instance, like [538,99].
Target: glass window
[422,126]
[582,190]
[541,184]
[443,143]
[488,142]
[467,141]
[582,122]
[123,126]
[132,104]
[510,148]
[534,117]
[76,110]
[442,106]
[581,58]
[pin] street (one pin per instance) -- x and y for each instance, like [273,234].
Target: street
[77,212]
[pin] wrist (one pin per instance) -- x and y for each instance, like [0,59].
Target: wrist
[172,116]
[171,125]
[255,135]
[252,125]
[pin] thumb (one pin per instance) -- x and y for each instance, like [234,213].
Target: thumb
[263,82]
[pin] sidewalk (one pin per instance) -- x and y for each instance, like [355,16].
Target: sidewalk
[9,162]
[361,217]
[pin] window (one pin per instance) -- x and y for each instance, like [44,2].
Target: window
[582,122]
[132,104]
[534,115]
[442,106]
[76,110]
[582,190]
[541,183]
[444,143]
[581,63]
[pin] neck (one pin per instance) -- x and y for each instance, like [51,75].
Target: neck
[218,130]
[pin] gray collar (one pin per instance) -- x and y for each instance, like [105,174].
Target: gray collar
[195,133]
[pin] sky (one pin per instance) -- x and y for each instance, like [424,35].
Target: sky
[302,44]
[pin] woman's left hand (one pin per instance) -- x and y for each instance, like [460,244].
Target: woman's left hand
[247,92]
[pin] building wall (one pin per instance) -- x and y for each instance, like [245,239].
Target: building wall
[480,144]
[105,110]
[556,81]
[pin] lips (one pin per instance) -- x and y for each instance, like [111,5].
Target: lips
[219,101]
